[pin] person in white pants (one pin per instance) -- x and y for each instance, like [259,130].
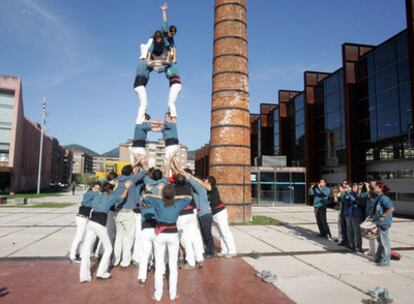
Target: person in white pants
[137,148]
[147,245]
[126,218]
[96,227]
[187,223]
[220,218]
[166,212]
[141,80]
[82,220]
[136,251]
[110,222]
[170,135]
[228,247]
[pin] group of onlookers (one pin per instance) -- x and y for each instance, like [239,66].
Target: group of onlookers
[356,203]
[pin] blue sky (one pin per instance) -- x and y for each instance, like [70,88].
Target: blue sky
[82,56]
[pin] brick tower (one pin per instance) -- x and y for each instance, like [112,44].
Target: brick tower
[230,121]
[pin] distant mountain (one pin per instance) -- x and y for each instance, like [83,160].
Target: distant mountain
[191,155]
[113,153]
[82,148]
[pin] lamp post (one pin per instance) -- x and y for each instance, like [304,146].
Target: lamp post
[39,172]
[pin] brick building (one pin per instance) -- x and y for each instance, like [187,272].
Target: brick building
[20,142]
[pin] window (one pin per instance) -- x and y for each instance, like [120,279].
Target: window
[333,102]
[402,46]
[300,131]
[387,78]
[406,119]
[331,84]
[405,97]
[387,102]
[385,55]
[406,197]
[333,120]
[388,125]
[300,116]
[403,71]
[299,102]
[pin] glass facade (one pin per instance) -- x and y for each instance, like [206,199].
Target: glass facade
[330,142]
[276,143]
[299,143]
[384,100]
[6,119]
[275,187]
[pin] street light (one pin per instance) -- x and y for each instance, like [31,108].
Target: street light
[39,173]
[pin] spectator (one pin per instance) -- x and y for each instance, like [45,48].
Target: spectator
[73,187]
[320,193]
[354,212]
[342,236]
[369,211]
[383,210]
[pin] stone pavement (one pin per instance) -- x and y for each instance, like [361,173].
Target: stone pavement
[309,269]
[315,270]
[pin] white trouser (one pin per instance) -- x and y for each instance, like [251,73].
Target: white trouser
[143,103]
[134,152]
[146,248]
[171,151]
[163,241]
[136,256]
[227,244]
[125,236]
[144,49]
[81,223]
[111,227]
[93,230]
[175,89]
[188,230]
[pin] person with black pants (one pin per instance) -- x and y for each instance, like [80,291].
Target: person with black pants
[320,193]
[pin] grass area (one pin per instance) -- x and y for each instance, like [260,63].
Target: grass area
[32,195]
[262,220]
[40,205]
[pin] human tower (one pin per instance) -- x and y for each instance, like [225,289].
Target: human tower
[151,217]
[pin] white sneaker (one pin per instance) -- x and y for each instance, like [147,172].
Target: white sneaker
[76,260]
[105,276]
[116,263]
[221,255]
[85,280]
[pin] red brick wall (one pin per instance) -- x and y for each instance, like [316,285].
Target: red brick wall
[229,155]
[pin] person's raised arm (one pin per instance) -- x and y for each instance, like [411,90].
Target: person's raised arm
[207,186]
[164,8]
[166,168]
[177,166]
[156,129]
[174,59]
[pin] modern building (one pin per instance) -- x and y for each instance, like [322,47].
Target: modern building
[20,142]
[67,168]
[155,153]
[355,123]
[98,162]
[60,164]
[82,162]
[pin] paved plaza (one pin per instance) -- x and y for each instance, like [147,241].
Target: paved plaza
[34,245]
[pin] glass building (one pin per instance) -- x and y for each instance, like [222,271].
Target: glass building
[298,158]
[330,140]
[384,97]
[276,142]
